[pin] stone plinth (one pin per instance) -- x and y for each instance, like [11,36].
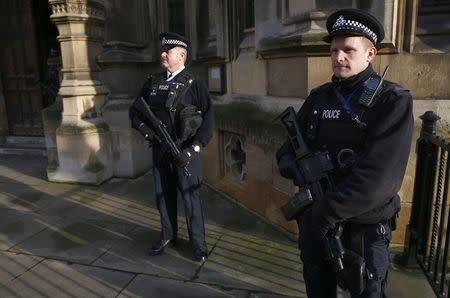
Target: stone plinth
[131,153]
[83,139]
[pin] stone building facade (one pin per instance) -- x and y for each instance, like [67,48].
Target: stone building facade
[257,58]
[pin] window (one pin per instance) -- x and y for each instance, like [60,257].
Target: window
[249,14]
[176,16]
[430,3]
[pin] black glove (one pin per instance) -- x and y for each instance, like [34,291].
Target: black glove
[289,169]
[319,224]
[146,131]
[185,157]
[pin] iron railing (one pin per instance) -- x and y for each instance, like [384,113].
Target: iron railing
[429,237]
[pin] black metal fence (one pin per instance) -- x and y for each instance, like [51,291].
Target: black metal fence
[429,237]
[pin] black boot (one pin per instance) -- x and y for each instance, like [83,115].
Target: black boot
[200,253]
[158,248]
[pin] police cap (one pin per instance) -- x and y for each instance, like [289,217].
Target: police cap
[170,40]
[354,22]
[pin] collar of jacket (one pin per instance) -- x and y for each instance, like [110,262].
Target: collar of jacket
[347,85]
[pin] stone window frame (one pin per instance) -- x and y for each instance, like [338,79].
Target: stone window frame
[141,28]
[416,15]
[241,37]
[302,34]
[177,4]
[288,18]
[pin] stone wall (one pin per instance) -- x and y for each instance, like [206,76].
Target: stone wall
[257,184]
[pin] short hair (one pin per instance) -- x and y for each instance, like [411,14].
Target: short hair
[184,51]
[367,42]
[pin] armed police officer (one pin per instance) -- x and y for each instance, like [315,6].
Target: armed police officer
[183,106]
[365,124]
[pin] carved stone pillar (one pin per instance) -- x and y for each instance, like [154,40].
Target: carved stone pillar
[83,138]
[128,49]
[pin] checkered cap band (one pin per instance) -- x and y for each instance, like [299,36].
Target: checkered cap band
[343,25]
[175,42]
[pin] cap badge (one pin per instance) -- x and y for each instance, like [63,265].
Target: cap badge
[339,22]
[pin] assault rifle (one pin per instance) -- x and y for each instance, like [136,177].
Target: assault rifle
[161,134]
[315,172]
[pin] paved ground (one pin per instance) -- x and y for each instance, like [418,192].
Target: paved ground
[66,240]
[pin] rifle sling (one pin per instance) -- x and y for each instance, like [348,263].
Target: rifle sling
[178,98]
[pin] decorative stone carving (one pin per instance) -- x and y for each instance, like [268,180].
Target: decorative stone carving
[76,8]
[234,158]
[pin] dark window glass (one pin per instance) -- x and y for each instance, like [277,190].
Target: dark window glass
[176,16]
[249,13]
[428,3]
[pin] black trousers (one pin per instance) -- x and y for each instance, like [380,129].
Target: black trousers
[320,279]
[168,179]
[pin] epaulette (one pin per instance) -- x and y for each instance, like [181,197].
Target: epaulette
[393,87]
[185,77]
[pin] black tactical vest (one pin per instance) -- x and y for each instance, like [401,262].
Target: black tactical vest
[157,97]
[166,99]
[329,127]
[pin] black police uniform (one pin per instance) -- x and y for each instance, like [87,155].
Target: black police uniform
[369,148]
[186,131]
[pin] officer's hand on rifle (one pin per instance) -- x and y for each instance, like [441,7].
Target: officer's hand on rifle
[146,131]
[187,155]
[320,225]
[290,170]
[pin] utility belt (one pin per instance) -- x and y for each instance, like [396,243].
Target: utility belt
[355,275]
[356,232]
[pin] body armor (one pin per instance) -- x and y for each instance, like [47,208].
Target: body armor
[166,99]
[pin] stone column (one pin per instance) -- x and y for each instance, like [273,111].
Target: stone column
[3,115]
[83,138]
[128,51]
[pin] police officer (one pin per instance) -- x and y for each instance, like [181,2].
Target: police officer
[183,104]
[368,139]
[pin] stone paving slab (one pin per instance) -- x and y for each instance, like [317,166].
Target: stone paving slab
[27,172]
[87,204]
[139,189]
[52,278]
[411,283]
[75,241]
[176,262]
[22,198]
[13,265]
[148,286]
[17,227]
[253,263]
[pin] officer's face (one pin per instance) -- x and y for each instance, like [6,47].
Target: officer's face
[350,55]
[172,59]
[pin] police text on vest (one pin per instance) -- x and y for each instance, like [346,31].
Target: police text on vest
[331,114]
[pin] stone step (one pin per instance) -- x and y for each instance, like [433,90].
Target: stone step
[38,142]
[15,145]
[22,151]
